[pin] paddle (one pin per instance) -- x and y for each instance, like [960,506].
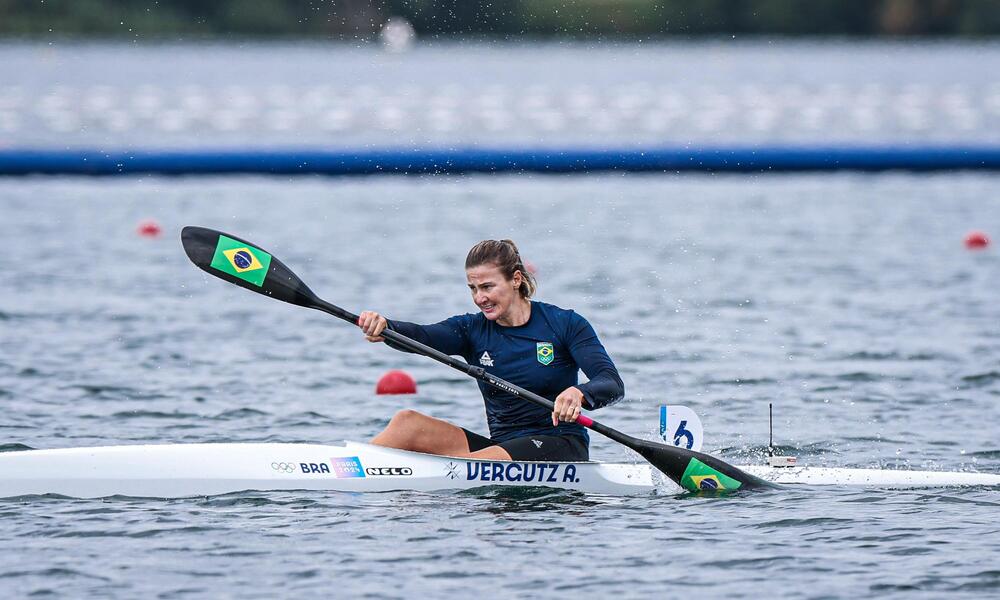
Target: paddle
[238,261]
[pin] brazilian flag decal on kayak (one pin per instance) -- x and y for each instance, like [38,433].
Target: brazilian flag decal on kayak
[545,352]
[239,260]
[699,477]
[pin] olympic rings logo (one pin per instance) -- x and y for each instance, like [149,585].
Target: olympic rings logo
[284,467]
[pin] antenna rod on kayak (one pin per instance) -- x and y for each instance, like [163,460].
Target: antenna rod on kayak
[772,460]
[770,429]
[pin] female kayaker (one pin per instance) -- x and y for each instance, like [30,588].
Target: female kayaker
[531,344]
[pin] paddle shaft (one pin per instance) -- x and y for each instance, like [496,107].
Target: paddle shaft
[670,460]
[478,372]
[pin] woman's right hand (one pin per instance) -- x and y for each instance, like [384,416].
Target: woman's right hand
[372,324]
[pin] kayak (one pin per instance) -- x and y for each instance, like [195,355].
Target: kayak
[183,470]
[187,470]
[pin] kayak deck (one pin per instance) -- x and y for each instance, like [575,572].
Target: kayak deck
[185,470]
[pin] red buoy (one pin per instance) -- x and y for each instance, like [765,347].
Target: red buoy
[149,228]
[530,266]
[976,240]
[396,382]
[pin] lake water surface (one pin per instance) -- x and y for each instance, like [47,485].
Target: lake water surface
[847,301]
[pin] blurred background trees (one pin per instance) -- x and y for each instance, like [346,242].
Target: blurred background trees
[361,19]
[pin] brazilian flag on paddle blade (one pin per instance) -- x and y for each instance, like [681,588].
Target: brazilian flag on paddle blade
[239,260]
[700,477]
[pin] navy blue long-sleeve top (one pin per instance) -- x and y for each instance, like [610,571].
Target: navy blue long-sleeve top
[544,355]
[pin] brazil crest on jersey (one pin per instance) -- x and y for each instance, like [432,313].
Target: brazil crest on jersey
[545,352]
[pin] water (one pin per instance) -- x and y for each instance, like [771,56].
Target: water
[846,300]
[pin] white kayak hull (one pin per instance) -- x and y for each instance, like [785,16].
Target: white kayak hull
[185,470]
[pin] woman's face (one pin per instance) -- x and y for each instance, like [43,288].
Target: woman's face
[491,291]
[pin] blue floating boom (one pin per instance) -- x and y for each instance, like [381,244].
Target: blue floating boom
[497,160]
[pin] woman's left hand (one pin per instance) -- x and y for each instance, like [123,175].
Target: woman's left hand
[567,406]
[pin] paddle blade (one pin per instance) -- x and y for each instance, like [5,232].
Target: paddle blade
[696,471]
[238,261]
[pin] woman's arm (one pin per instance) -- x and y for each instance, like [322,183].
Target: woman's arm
[605,386]
[448,336]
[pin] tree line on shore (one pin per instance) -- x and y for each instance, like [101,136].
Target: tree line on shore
[584,19]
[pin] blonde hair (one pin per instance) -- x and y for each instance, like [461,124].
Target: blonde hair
[503,254]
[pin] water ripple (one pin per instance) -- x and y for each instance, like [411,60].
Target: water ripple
[872,353]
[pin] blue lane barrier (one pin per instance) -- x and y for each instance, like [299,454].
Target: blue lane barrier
[475,160]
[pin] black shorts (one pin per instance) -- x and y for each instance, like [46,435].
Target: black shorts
[559,448]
